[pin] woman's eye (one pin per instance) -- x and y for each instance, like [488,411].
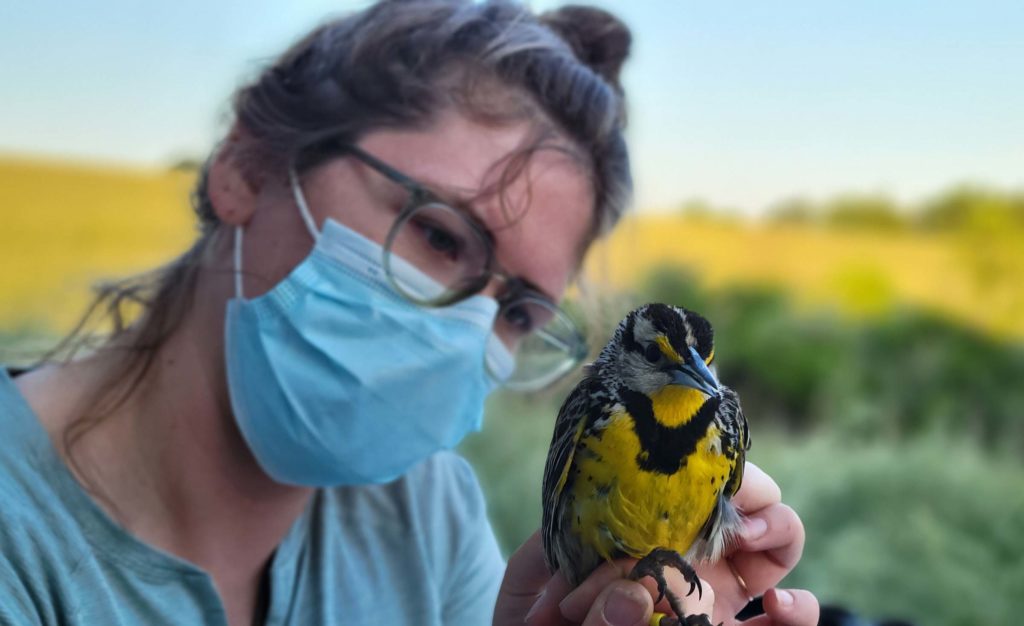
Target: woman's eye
[652,353]
[440,240]
[520,319]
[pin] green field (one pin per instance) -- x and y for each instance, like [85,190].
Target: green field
[68,225]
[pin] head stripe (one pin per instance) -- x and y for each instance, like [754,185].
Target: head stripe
[668,350]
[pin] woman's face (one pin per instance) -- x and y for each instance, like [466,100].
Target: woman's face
[551,202]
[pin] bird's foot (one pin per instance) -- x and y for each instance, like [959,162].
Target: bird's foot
[654,564]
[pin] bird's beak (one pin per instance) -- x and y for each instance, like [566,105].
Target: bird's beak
[695,374]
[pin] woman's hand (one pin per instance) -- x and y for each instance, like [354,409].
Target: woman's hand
[772,543]
[530,595]
[766,553]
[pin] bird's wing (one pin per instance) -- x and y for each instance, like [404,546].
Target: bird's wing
[732,415]
[725,522]
[586,404]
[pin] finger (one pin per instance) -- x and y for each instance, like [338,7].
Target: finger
[702,602]
[782,535]
[622,603]
[576,605]
[787,607]
[526,572]
[730,594]
[694,604]
[763,560]
[757,490]
[527,582]
[546,612]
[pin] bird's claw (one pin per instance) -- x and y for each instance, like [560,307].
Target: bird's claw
[654,564]
[662,588]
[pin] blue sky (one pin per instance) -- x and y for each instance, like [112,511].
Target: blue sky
[741,103]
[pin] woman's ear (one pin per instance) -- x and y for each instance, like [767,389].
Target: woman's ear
[231,190]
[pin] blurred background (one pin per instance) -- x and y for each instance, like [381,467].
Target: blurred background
[839,187]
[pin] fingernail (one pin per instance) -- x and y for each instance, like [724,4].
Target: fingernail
[567,607]
[536,605]
[784,597]
[754,527]
[624,608]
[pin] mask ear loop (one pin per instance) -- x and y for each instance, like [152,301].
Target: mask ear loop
[300,200]
[238,262]
[307,218]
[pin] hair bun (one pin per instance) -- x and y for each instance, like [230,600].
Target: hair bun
[599,39]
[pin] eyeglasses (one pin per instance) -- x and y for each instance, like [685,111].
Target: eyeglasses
[457,252]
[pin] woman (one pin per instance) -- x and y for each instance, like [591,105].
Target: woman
[403,198]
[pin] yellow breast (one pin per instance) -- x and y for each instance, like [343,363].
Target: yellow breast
[620,507]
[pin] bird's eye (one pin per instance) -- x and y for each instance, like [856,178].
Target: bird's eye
[652,353]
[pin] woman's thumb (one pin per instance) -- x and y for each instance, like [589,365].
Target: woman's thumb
[621,603]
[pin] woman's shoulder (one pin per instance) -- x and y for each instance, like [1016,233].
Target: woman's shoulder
[22,482]
[34,519]
[40,543]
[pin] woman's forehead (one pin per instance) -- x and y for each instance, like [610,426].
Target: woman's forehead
[455,153]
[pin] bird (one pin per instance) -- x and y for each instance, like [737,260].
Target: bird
[647,451]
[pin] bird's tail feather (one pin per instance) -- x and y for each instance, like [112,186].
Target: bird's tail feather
[721,530]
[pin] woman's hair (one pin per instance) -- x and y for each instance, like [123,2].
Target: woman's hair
[397,65]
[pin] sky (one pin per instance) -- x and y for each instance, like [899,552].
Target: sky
[742,103]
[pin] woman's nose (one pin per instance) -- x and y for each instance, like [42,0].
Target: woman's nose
[492,289]
[495,286]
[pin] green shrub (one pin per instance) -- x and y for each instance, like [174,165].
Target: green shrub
[930,529]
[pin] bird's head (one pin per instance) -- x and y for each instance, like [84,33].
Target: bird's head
[658,345]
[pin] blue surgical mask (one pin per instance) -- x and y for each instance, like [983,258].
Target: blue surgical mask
[336,379]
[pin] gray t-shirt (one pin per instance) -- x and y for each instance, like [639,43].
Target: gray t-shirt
[416,551]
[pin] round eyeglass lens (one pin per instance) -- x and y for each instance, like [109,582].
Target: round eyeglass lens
[434,255]
[548,343]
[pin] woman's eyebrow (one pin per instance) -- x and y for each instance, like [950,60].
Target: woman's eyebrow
[460,197]
[534,287]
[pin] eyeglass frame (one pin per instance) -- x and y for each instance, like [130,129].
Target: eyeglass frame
[517,289]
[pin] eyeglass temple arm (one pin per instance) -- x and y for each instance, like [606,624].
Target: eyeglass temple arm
[384,168]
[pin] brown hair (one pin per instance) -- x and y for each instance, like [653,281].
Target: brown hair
[395,64]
